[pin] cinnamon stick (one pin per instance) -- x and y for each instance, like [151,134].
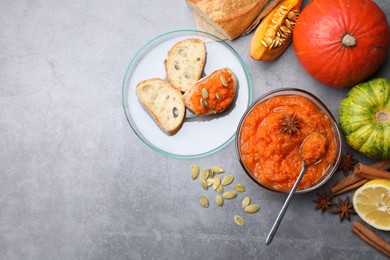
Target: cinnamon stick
[370,172]
[383,165]
[341,188]
[354,181]
[371,238]
[346,184]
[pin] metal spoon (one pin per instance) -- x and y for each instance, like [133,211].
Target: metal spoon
[289,197]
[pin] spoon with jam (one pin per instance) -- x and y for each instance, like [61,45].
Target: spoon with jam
[311,151]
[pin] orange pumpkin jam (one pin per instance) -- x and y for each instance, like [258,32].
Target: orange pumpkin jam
[313,148]
[273,157]
[219,96]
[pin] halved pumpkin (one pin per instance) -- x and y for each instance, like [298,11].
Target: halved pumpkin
[274,34]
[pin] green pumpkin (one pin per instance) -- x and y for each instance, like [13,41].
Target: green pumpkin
[365,118]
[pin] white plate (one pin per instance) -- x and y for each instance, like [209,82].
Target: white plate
[199,136]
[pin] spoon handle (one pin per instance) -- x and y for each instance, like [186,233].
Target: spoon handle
[284,208]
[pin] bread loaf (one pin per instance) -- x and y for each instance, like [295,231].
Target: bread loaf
[185,62]
[229,18]
[163,102]
[266,9]
[212,94]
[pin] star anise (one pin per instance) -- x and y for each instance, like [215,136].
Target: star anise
[324,202]
[347,163]
[289,124]
[344,208]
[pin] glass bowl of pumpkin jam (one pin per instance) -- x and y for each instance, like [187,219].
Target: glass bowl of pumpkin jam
[270,134]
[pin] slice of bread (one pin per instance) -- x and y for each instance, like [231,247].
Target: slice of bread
[185,63]
[163,102]
[216,97]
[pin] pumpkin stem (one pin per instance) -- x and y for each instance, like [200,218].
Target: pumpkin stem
[348,40]
[382,116]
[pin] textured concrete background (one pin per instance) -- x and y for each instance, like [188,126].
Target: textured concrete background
[77,183]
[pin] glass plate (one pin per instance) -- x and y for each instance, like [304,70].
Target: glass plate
[199,136]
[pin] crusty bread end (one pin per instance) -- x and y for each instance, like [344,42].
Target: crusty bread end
[230,18]
[163,102]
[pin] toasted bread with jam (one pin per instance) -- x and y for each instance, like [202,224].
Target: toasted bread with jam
[212,94]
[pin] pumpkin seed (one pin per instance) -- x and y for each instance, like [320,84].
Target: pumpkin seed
[229,195]
[205,93]
[203,201]
[211,174]
[283,11]
[217,183]
[264,43]
[218,95]
[239,187]
[220,189]
[283,7]
[296,12]
[268,40]
[285,30]
[239,220]
[227,180]
[203,183]
[252,208]
[219,200]
[209,182]
[272,45]
[293,23]
[291,16]
[223,80]
[245,202]
[278,42]
[195,171]
[205,174]
[288,24]
[282,36]
[204,102]
[269,33]
[217,169]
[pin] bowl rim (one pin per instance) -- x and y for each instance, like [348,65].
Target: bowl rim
[154,45]
[322,106]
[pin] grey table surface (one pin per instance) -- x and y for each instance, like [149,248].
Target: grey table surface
[77,183]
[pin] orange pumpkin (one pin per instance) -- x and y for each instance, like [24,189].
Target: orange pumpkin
[341,43]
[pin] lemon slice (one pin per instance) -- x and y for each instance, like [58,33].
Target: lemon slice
[372,203]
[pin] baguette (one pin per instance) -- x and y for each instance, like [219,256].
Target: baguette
[266,10]
[185,62]
[211,95]
[163,102]
[229,18]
